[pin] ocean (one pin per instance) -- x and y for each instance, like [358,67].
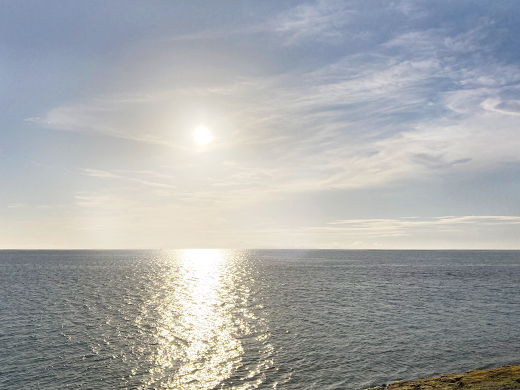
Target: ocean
[253,319]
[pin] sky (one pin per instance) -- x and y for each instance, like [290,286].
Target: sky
[355,124]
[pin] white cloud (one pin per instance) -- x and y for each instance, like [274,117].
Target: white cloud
[110,117]
[147,183]
[508,107]
[366,120]
[16,205]
[322,21]
[411,223]
[449,232]
[338,127]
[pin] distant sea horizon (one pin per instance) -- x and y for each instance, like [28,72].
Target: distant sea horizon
[261,249]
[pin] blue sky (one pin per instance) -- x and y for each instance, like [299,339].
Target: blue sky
[335,124]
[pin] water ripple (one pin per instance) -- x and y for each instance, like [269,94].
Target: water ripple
[208,319]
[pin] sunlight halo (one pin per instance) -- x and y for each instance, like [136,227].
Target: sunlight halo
[202,135]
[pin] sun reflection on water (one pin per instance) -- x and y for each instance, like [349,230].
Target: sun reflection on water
[204,315]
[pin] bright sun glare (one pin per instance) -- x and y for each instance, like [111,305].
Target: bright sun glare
[202,135]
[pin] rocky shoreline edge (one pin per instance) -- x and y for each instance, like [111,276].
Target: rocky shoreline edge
[503,378]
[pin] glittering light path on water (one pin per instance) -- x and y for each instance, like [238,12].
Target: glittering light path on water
[202,320]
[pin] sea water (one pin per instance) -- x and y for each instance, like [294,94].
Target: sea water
[266,319]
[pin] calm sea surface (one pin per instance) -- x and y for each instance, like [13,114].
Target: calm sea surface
[210,319]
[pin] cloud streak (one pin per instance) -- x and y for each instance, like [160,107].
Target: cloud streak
[449,232]
[324,21]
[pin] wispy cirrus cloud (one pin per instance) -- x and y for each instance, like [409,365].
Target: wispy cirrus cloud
[365,120]
[410,223]
[451,232]
[414,104]
[462,232]
[508,107]
[322,21]
[114,117]
[117,176]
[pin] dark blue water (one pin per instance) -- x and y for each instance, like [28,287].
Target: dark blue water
[203,319]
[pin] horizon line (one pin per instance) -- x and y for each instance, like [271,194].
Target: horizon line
[254,249]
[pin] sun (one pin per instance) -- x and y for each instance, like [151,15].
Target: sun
[202,135]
